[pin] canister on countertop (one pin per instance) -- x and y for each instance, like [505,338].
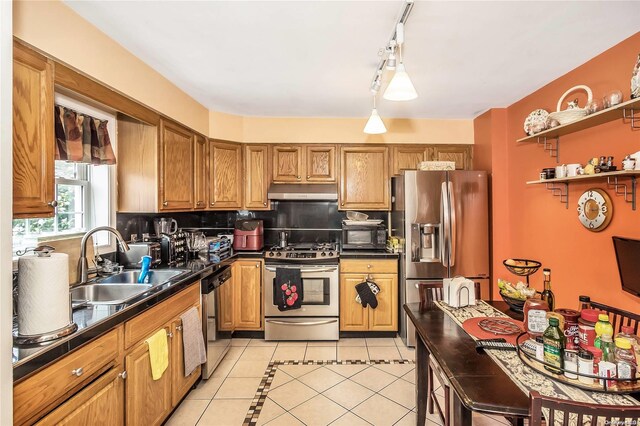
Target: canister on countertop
[570,364]
[571,331]
[586,327]
[585,366]
[539,348]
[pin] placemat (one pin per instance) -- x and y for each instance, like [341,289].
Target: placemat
[523,376]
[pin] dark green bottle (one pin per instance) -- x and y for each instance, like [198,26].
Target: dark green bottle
[547,294]
[554,344]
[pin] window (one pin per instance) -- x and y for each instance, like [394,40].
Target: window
[84,193]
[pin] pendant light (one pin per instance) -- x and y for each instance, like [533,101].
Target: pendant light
[400,87]
[374,125]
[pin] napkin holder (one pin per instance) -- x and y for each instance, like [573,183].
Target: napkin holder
[458,292]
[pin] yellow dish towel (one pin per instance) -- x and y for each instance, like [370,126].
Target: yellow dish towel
[158,353]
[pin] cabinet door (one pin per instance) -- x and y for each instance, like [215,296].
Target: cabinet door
[406,158]
[225,301]
[256,177]
[148,401]
[462,155]
[364,182]
[353,317]
[176,181]
[225,178]
[33,134]
[200,176]
[100,403]
[320,163]
[247,294]
[287,164]
[385,316]
[180,384]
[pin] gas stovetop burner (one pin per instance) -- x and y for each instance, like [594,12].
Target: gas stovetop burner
[303,252]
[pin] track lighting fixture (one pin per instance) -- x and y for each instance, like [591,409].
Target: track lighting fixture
[400,88]
[374,125]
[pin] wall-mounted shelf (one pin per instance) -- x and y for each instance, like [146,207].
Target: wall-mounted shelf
[628,111]
[560,187]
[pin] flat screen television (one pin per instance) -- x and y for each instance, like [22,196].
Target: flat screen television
[628,257]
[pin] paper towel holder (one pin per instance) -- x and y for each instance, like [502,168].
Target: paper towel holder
[30,339]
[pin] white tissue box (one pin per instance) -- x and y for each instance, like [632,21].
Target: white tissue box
[458,292]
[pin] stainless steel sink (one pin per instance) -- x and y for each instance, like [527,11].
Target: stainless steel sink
[131,277]
[107,294]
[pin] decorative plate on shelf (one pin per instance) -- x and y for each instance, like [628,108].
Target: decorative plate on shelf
[535,122]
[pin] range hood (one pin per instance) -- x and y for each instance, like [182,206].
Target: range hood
[292,191]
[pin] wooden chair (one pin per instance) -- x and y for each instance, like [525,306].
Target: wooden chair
[619,317]
[430,291]
[581,412]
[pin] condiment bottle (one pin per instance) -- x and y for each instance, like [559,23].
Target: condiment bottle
[608,348]
[626,331]
[597,356]
[553,346]
[535,316]
[586,326]
[571,364]
[570,328]
[602,327]
[585,366]
[547,294]
[539,348]
[584,303]
[625,359]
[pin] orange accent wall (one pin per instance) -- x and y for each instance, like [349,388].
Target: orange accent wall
[528,222]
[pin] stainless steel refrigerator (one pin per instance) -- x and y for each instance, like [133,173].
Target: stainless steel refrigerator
[443,217]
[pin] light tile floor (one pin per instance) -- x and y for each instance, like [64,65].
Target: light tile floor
[335,394]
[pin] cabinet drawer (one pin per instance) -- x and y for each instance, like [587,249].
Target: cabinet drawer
[369,266]
[146,323]
[49,387]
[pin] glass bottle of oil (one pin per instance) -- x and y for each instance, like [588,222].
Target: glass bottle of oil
[547,294]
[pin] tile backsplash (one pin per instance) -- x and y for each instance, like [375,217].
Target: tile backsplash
[305,221]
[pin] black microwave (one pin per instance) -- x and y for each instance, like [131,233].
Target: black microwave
[363,237]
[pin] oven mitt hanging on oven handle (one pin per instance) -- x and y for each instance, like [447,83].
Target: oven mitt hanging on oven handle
[366,293]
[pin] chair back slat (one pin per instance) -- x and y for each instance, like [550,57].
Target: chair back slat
[580,410]
[619,317]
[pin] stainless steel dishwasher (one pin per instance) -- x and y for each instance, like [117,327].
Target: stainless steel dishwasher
[217,342]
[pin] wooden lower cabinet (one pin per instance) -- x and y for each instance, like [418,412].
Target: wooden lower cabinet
[353,316]
[240,298]
[148,401]
[101,403]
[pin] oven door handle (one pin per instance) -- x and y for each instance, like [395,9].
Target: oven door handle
[302,323]
[329,269]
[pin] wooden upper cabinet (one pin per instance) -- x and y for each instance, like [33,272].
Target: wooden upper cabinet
[33,134]
[287,164]
[176,167]
[462,155]
[408,157]
[256,177]
[225,176]
[364,178]
[320,163]
[200,176]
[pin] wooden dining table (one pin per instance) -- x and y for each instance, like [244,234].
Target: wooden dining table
[478,383]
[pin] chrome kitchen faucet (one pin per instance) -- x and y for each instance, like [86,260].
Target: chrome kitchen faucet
[83,266]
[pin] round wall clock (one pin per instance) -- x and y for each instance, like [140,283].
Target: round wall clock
[595,209]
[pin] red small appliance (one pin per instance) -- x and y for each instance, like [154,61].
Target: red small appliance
[248,235]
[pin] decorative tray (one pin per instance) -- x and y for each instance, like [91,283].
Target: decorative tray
[610,385]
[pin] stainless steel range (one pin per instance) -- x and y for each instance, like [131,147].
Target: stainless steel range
[317,319]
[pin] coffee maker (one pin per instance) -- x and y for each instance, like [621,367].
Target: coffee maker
[248,235]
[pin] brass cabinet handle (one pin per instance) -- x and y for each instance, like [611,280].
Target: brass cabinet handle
[298,177]
[198,203]
[264,204]
[123,375]
[77,372]
[368,266]
[258,265]
[53,203]
[213,203]
[169,334]
[308,177]
[178,327]
[342,203]
[166,203]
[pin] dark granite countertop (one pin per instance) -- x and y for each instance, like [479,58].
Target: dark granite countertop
[95,320]
[378,254]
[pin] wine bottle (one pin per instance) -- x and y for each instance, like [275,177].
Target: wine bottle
[547,294]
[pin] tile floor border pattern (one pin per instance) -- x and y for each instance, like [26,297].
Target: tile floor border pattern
[263,389]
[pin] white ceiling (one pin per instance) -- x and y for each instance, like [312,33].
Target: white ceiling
[317,58]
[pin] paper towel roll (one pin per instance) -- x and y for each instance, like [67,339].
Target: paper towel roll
[43,293]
